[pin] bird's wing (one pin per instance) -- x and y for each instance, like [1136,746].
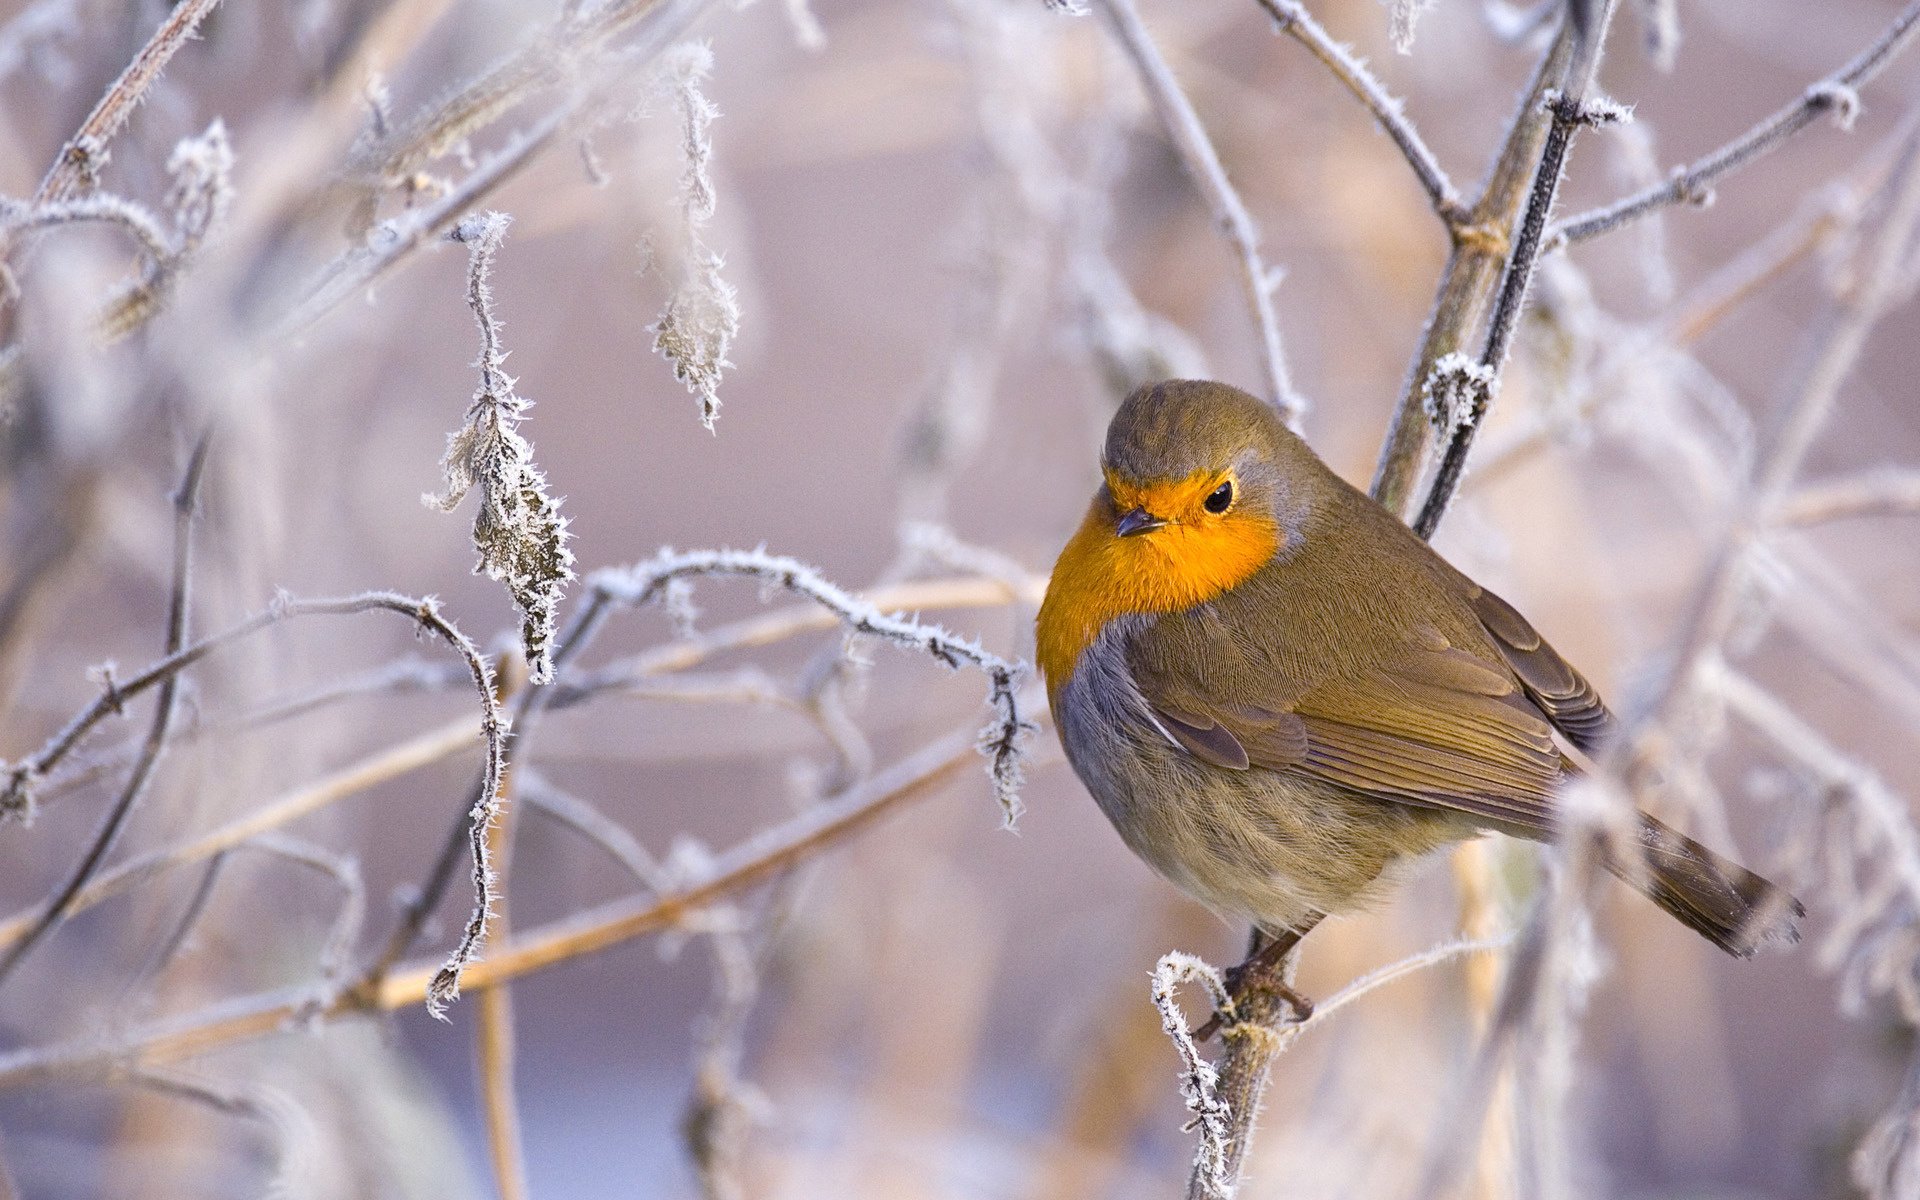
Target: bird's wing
[1434,726]
[1562,694]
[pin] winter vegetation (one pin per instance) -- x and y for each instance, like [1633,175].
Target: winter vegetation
[354,846]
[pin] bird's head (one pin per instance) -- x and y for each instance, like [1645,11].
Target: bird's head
[1206,477]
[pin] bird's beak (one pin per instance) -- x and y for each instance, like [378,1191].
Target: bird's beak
[1138,520]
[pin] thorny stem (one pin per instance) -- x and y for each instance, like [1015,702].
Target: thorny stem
[1837,94]
[1229,212]
[185,501]
[1292,18]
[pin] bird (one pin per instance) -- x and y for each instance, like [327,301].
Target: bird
[1281,697]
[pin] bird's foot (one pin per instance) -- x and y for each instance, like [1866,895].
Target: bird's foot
[1254,977]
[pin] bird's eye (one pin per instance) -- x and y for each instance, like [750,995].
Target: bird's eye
[1220,499]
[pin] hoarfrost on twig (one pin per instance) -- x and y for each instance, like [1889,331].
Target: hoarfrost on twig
[519,532]
[1003,739]
[702,315]
[1198,1079]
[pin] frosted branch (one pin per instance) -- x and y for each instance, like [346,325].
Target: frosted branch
[1003,739]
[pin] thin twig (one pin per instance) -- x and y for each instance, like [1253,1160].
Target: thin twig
[1292,18]
[1468,283]
[1839,335]
[85,152]
[1837,94]
[1475,385]
[179,603]
[1002,741]
[425,613]
[1229,212]
[753,862]
[411,755]
[1886,492]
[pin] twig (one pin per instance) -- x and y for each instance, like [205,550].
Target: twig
[421,751]
[1467,284]
[589,822]
[425,613]
[57,906]
[1196,151]
[1840,333]
[758,859]
[85,153]
[287,1126]
[1199,1082]
[1837,94]
[1292,18]
[1002,741]
[1886,492]
[1474,385]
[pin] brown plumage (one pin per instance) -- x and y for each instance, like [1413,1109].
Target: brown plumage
[1278,693]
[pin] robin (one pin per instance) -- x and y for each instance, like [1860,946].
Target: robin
[1279,694]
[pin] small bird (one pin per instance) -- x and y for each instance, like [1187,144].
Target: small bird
[1278,693]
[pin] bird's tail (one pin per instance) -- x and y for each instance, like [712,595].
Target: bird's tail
[1719,899]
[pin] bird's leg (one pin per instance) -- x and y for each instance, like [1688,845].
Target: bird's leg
[1264,971]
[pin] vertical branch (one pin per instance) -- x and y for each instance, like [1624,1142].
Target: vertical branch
[1467,284]
[185,500]
[1472,386]
[1202,161]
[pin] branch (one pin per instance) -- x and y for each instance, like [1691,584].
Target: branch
[21,777]
[1886,492]
[1472,273]
[756,860]
[1837,94]
[1203,165]
[57,906]
[78,166]
[421,751]
[1478,383]
[1002,741]
[1292,18]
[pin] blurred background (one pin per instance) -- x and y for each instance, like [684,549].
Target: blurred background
[957,234]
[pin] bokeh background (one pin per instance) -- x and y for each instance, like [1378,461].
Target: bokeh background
[911,209]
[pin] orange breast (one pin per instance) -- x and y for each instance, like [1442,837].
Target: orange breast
[1101,576]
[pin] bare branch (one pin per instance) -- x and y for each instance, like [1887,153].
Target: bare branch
[1203,164]
[756,860]
[60,903]
[1472,274]
[1292,18]
[1889,491]
[1570,111]
[1002,741]
[1838,94]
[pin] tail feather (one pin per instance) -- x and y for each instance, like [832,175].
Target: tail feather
[1719,899]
